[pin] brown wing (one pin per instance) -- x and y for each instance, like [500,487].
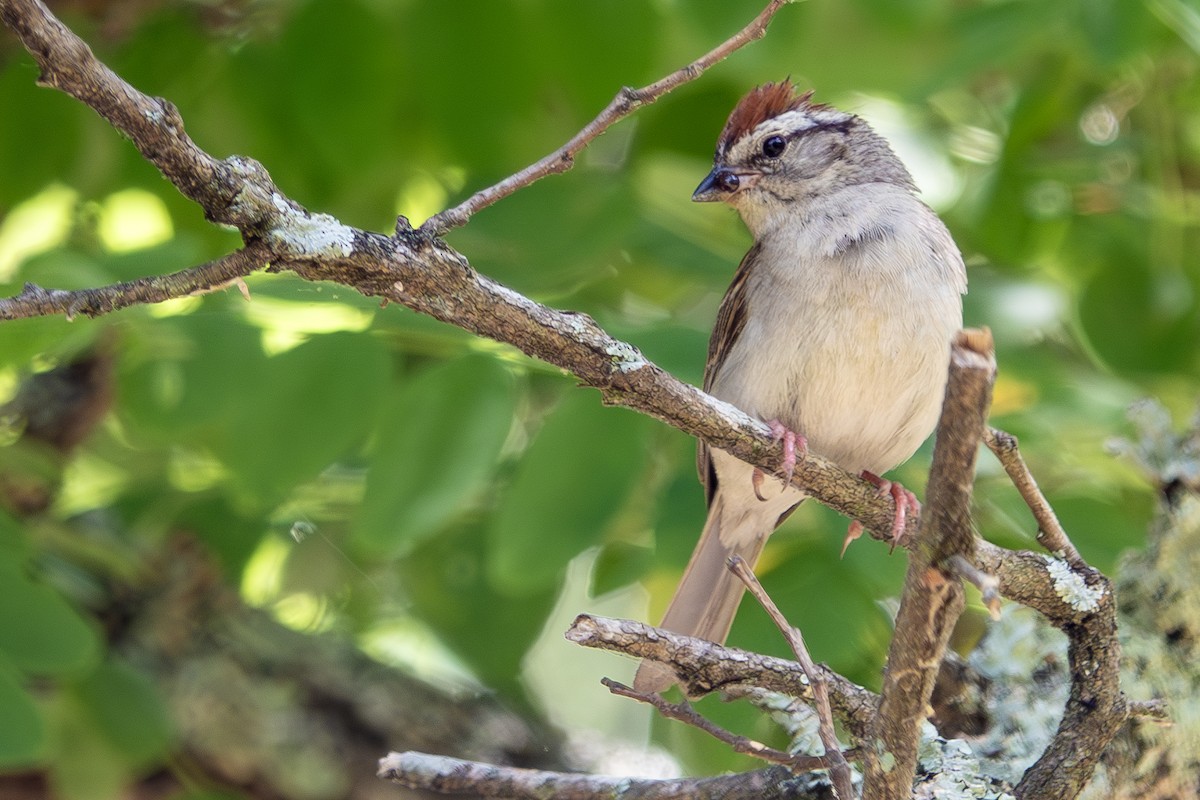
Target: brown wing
[731,318]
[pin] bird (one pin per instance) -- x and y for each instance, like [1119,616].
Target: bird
[835,331]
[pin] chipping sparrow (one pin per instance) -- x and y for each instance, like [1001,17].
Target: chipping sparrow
[836,328]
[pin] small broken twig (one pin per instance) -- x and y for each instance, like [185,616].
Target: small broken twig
[987,584]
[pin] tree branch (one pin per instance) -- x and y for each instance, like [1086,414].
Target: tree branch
[456,776]
[703,666]
[36,301]
[222,188]
[622,105]
[932,597]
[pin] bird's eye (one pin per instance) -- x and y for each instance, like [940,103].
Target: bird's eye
[773,146]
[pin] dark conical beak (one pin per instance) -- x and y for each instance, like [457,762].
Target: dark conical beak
[718,185]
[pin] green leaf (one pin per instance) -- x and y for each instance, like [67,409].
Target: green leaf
[40,633]
[568,485]
[309,407]
[446,580]
[185,378]
[619,564]
[1168,326]
[127,712]
[86,765]
[439,444]
[23,734]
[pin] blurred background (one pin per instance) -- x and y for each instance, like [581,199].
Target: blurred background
[248,546]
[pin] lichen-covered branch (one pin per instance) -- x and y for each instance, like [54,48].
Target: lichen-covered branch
[457,776]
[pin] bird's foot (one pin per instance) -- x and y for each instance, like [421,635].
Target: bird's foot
[793,444]
[903,499]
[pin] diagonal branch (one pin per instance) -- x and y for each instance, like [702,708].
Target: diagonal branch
[1050,531]
[153,124]
[839,770]
[625,103]
[932,598]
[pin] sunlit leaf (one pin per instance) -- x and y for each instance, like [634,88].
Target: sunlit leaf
[566,489]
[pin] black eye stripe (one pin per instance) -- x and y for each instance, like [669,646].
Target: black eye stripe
[791,136]
[842,126]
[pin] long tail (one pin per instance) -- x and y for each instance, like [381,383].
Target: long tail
[708,595]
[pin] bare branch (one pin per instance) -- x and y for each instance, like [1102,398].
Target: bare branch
[622,105]
[932,599]
[839,770]
[34,301]
[457,776]
[704,667]
[1050,531]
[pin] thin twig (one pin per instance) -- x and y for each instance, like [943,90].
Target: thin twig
[1050,532]
[626,101]
[683,712]
[34,301]
[839,770]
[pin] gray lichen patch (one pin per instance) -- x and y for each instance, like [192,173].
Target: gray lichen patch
[301,234]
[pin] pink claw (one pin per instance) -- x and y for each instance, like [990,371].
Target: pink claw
[855,531]
[903,499]
[756,480]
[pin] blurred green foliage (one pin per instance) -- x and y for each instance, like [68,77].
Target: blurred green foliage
[416,465]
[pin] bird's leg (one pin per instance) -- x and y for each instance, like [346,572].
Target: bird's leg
[903,499]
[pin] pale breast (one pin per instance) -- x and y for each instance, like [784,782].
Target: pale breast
[847,338]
